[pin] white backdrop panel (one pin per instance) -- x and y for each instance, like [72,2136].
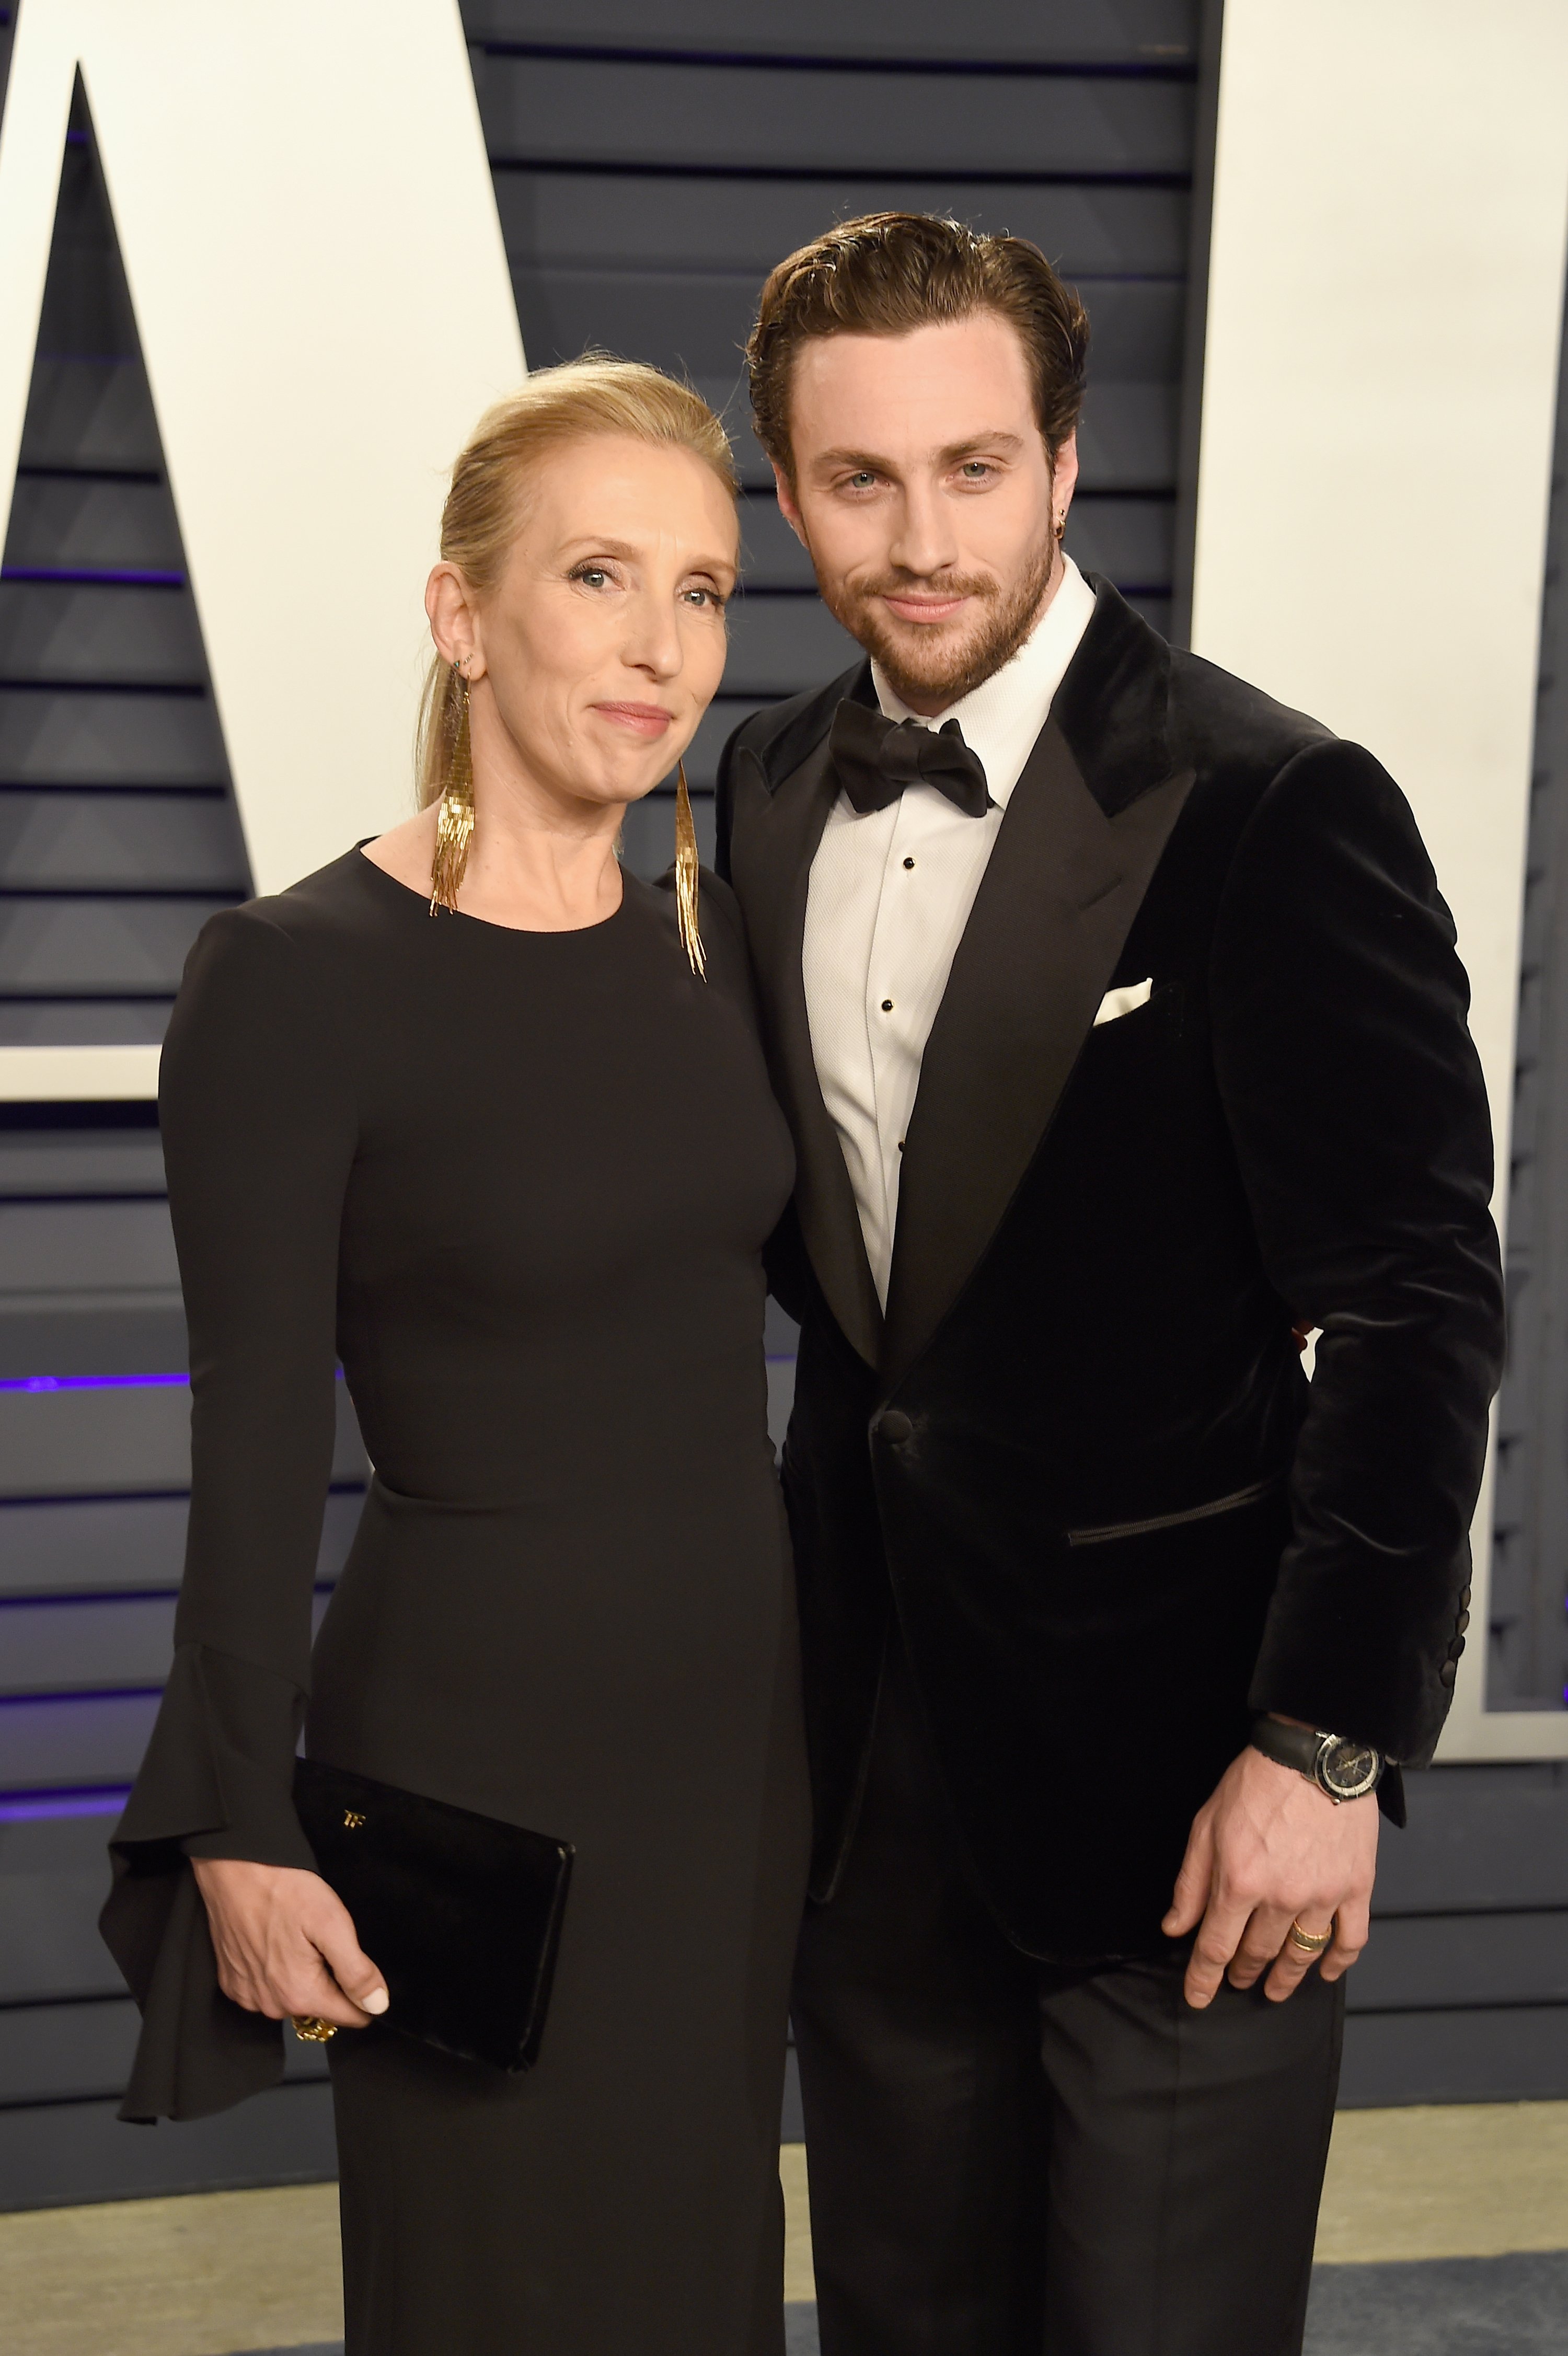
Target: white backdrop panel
[309,231]
[1385,303]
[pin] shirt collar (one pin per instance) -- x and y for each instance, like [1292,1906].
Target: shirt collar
[1002,717]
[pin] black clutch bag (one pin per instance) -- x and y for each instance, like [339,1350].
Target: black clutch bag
[460,1913]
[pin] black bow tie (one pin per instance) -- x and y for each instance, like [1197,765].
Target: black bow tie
[876,758]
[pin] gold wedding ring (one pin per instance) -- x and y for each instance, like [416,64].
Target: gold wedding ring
[313,2028]
[1311,1943]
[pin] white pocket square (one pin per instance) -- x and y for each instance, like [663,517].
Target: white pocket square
[1123,1002]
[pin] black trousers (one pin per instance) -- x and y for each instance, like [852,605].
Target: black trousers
[1009,2159]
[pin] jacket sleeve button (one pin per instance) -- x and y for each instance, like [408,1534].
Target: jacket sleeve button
[1464,1599]
[1462,1622]
[1447,1673]
[894,1426]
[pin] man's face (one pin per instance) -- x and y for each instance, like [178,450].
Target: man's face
[926,499]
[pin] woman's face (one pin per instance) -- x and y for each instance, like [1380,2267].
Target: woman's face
[600,648]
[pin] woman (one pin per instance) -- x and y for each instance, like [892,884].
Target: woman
[514,1165]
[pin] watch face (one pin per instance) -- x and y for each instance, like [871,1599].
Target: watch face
[1348,1769]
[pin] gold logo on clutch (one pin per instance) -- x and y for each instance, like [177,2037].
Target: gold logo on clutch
[352,1819]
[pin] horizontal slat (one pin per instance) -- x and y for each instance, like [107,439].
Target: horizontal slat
[85,1248]
[1110,31]
[150,635]
[1427,1963]
[55,2155]
[90,412]
[111,525]
[118,1442]
[83,948]
[121,1160]
[101,1026]
[1454,2057]
[116,842]
[1478,1837]
[616,222]
[546,110]
[53,1877]
[82,1644]
[696,321]
[93,1545]
[66,737]
[48,1745]
[67,2052]
[649,833]
[778,646]
[120,1333]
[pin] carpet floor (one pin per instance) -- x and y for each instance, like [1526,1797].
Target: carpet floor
[1514,2305]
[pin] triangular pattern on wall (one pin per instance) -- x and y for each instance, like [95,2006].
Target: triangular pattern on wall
[118,829]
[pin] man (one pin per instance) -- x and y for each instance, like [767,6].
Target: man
[1119,1019]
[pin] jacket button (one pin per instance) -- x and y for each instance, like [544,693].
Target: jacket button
[1464,1599]
[1462,1622]
[894,1426]
[1456,1648]
[1447,1673]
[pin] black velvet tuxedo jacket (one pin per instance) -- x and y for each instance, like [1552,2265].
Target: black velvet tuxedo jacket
[1080,1457]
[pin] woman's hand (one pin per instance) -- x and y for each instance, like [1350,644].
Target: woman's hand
[285,1944]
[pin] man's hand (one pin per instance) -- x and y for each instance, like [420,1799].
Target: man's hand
[285,1944]
[1269,1849]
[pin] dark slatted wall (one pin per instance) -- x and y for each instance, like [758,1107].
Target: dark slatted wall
[646,176]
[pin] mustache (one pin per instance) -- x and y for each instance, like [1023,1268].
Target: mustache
[939,584]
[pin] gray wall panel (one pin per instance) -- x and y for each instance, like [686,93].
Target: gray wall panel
[536,110]
[60,520]
[696,322]
[92,1335]
[90,1642]
[1426,1962]
[778,645]
[73,1743]
[1454,2057]
[100,634]
[85,1022]
[80,1161]
[82,949]
[75,737]
[50,2155]
[1096,31]
[91,411]
[54,1875]
[117,841]
[95,1247]
[621,221]
[118,1442]
[72,2052]
[82,1546]
[1478,1837]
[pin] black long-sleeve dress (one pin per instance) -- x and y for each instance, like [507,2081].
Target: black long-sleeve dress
[518,1182]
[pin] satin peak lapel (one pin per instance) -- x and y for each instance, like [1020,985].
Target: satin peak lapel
[1054,908]
[774,843]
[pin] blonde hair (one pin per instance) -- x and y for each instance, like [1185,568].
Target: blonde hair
[595,395]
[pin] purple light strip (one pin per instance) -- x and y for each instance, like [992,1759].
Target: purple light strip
[93,577]
[35,1807]
[96,1383]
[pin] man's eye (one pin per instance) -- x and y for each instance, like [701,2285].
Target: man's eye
[975,468]
[862,480]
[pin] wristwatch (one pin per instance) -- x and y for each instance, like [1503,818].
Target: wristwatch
[1341,1768]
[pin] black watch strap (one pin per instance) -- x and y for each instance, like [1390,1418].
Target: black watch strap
[1341,1769]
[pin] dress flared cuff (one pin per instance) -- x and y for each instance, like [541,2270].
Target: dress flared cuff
[216,1781]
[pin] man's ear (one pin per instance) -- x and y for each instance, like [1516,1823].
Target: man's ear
[787,507]
[1064,472]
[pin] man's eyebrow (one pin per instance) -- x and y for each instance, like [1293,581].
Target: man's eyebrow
[954,454]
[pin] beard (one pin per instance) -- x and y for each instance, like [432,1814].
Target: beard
[921,662]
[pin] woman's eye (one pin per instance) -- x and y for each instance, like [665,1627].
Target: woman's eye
[705,597]
[592,576]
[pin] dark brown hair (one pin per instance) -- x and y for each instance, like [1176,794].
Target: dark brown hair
[885,273]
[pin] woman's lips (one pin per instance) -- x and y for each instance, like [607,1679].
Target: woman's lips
[642,718]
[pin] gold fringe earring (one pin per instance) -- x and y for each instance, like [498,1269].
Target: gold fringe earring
[686,876]
[455,825]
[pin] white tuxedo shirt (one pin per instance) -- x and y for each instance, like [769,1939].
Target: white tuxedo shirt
[888,901]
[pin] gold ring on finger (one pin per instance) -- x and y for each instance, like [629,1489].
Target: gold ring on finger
[1310,1943]
[313,2028]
